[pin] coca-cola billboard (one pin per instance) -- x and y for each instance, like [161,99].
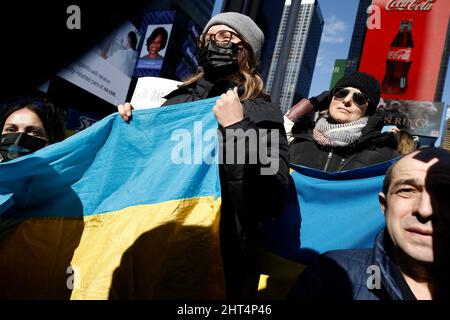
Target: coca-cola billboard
[401,5]
[405,53]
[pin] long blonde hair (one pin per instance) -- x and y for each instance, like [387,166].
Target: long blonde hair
[248,75]
[406,143]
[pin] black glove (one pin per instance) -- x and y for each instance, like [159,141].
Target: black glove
[322,101]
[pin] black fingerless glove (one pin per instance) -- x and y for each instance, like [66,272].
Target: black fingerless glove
[322,101]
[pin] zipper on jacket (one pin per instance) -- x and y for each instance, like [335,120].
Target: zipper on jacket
[330,155]
[347,161]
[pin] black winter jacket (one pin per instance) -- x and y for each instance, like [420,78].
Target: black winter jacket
[247,196]
[373,147]
[358,274]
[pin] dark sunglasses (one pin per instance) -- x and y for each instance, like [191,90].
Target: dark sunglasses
[359,98]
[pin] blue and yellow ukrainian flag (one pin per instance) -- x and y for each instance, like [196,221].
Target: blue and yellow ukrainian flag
[328,211]
[323,212]
[109,213]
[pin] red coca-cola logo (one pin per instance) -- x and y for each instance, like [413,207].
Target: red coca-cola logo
[399,54]
[410,5]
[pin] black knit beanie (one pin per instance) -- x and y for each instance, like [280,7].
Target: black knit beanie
[367,84]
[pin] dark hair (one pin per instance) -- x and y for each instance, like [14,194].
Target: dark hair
[133,39]
[158,31]
[52,118]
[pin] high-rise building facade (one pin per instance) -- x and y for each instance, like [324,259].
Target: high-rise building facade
[359,32]
[446,142]
[198,10]
[295,53]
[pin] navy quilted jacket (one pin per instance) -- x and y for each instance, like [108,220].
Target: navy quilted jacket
[351,275]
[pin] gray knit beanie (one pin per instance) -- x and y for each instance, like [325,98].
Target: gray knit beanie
[244,26]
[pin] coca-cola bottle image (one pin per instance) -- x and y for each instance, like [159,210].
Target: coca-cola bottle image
[399,61]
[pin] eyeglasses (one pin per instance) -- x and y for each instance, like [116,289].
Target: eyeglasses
[359,98]
[222,38]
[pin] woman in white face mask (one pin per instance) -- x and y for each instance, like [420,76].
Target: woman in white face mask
[230,48]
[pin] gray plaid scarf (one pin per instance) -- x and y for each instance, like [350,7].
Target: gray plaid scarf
[334,135]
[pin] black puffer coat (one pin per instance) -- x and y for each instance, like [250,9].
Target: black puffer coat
[373,147]
[247,196]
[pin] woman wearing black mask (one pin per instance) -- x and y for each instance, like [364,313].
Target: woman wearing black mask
[230,48]
[28,125]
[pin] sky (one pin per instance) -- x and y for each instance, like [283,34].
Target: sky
[339,19]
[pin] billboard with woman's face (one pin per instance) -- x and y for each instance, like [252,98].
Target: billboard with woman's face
[154,46]
[156,28]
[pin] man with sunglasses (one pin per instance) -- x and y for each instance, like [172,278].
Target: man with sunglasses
[347,134]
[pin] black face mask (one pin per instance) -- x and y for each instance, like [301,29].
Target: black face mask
[219,62]
[14,145]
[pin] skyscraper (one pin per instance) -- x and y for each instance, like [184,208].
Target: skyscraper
[267,15]
[359,32]
[446,142]
[295,53]
[198,10]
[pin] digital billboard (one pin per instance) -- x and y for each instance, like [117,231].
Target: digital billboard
[154,47]
[106,70]
[156,26]
[420,118]
[338,71]
[404,48]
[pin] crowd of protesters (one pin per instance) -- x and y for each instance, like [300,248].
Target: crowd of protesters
[335,131]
